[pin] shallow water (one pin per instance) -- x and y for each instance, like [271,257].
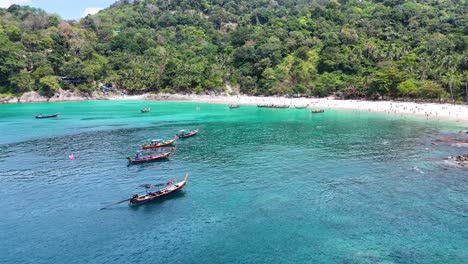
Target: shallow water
[266,185]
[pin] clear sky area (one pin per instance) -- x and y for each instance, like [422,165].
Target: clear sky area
[67,9]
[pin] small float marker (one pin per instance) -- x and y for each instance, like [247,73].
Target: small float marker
[71,157]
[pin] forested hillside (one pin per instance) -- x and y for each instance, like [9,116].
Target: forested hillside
[392,48]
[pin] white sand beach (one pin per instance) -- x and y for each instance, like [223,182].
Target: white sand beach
[434,111]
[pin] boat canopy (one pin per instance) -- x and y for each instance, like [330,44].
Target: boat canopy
[157,140]
[182,131]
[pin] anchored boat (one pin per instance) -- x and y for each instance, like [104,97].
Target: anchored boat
[158,143]
[136,199]
[138,159]
[317,111]
[301,106]
[47,116]
[186,134]
[151,196]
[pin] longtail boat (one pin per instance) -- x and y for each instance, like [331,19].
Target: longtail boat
[280,106]
[317,111]
[265,106]
[151,196]
[136,199]
[301,106]
[47,116]
[150,158]
[158,143]
[234,106]
[185,134]
[145,110]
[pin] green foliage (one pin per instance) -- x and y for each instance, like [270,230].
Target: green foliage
[22,82]
[48,85]
[352,48]
[408,88]
[431,89]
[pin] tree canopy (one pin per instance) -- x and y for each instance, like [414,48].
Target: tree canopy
[392,48]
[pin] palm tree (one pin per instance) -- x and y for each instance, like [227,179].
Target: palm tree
[465,77]
[451,79]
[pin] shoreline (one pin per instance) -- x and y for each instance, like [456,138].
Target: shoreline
[430,111]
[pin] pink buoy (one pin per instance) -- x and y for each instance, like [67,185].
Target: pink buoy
[71,157]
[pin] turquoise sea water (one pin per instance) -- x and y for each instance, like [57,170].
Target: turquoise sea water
[265,186]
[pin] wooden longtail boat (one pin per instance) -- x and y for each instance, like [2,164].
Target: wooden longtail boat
[281,106]
[301,106]
[145,110]
[151,196]
[158,143]
[265,106]
[49,116]
[150,158]
[185,134]
[317,111]
[234,106]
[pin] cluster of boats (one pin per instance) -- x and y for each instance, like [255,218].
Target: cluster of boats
[316,111]
[158,144]
[170,187]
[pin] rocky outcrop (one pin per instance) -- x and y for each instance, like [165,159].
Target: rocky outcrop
[65,95]
[31,97]
[9,100]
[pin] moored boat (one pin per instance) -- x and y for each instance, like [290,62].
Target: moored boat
[158,143]
[136,199]
[161,156]
[186,134]
[301,106]
[234,106]
[47,116]
[145,110]
[317,111]
[280,106]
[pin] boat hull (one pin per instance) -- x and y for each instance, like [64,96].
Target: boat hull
[167,143]
[190,134]
[158,195]
[49,116]
[159,157]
